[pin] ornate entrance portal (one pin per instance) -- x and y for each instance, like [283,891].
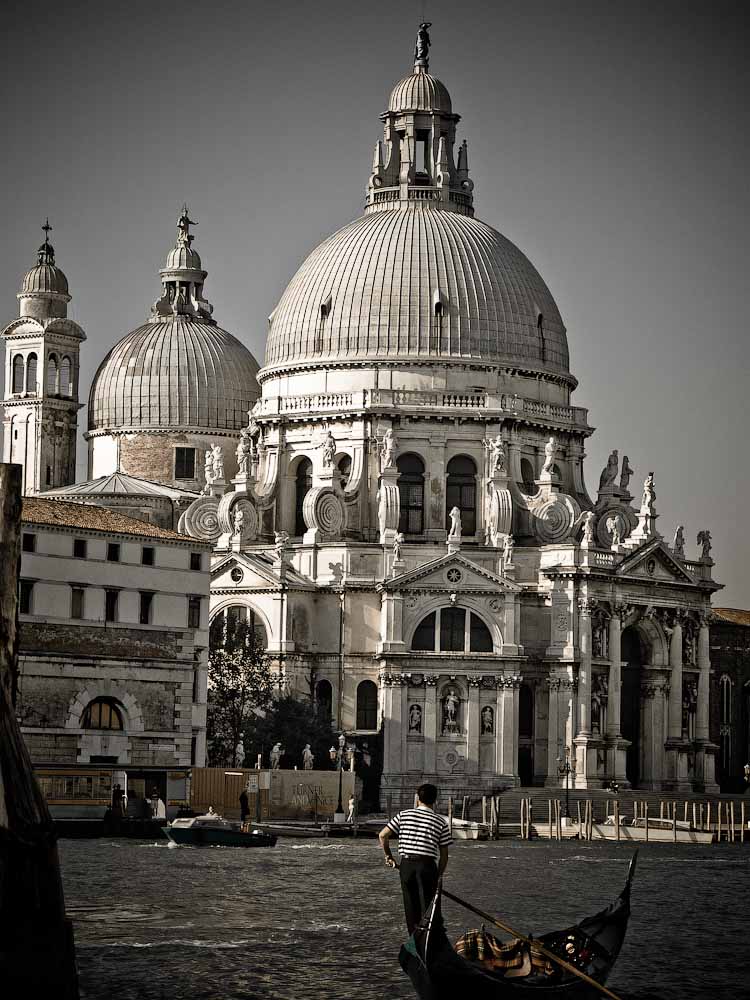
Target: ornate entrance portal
[632,729]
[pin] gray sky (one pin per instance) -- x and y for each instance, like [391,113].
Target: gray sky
[606,139]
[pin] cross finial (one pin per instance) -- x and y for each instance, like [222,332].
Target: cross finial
[47,229]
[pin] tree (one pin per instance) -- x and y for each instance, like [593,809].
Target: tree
[240,684]
[293,722]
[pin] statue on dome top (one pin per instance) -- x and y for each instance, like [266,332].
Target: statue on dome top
[183,227]
[422,47]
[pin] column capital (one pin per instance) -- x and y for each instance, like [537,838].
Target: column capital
[586,606]
[620,611]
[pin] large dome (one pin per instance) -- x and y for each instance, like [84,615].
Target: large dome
[177,373]
[415,283]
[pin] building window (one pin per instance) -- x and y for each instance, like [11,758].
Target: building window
[146,602]
[345,468]
[113,552]
[31,374]
[193,748]
[196,560]
[76,602]
[102,713]
[194,612]
[66,381]
[303,487]
[28,542]
[461,492]
[184,463]
[53,385]
[527,476]
[110,605]
[367,705]
[48,476]
[225,625]
[195,687]
[18,373]
[25,593]
[324,699]
[147,555]
[452,630]
[411,494]
[79,548]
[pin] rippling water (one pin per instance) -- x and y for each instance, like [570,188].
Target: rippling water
[321,919]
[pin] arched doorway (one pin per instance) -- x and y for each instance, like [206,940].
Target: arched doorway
[367,705]
[303,485]
[324,699]
[630,705]
[526,735]
[461,492]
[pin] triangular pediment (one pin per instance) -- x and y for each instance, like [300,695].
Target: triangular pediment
[250,571]
[453,571]
[653,561]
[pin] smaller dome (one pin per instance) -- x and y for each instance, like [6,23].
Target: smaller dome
[420,92]
[45,278]
[181,257]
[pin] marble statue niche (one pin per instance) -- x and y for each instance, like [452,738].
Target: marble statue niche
[616,528]
[451,706]
[488,721]
[415,719]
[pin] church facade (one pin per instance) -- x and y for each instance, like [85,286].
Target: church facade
[404,516]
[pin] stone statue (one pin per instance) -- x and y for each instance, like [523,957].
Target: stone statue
[454,535]
[609,472]
[280,544]
[508,546]
[496,449]
[422,47]
[649,494]
[451,703]
[678,543]
[549,456]
[239,754]
[329,450]
[615,528]
[217,462]
[208,468]
[308,758]
[388,450]
[488,720]
[625,474]
[183,227]
[238,522]
[276,753]
[415,719]
[244,452]
[588,527]
[704,540]
[398,541]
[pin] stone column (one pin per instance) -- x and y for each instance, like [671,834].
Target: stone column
[430,724]
[508,723]
[675,683]
[615,675]
[584,669]
[553,684]
[472,727]
[704,666]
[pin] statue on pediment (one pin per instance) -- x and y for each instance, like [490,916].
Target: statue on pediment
[609,472]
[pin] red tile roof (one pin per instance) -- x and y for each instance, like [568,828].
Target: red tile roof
[88,517]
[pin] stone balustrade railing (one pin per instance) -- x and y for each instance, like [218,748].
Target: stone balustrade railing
[365,399]
[604,559]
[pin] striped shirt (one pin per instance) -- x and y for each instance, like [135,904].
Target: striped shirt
[420,831]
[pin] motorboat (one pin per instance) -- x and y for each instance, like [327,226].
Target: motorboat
[212,830]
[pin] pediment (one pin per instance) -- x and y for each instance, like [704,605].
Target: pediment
[654,562]
[250,571]
[453,571]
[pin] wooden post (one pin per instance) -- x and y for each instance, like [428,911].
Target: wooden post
[37,953]
[708,817]
[742,822]
[645,817]
[617,819]
[529,814]
[484,810]
[463,806]
[578,816]
[700,816]
[661,809]
[731,806]
[718,822]
[685,817]
[695,815]
[549,804]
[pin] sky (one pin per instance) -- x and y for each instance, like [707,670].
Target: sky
[608,140]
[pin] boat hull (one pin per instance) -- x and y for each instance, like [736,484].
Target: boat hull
[203,837]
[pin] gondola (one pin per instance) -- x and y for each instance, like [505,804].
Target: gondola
[439,972]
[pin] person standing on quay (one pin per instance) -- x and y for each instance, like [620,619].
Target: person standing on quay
[423,842]
[244,807]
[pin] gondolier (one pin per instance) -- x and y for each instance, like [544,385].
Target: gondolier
[423,842]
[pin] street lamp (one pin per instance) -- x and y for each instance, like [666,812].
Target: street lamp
[334,755]
[565,769]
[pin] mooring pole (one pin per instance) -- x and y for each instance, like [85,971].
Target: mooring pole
[37,955]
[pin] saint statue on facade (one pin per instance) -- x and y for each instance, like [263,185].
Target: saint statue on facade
[415,719]
[649,494]
[451,702]
[704,540]
[488,720]
[244,452]
[183,227]
[609,472]
[678,543]
[588,527]
[208,469]
[454,535]
[217,462]
[388,450]
[308,758]
[508,546]
[496,449]
[615,528]
[329,450]
[238,522]
[625,474]
[549,456]
[398,541]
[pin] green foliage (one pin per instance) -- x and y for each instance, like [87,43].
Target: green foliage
[240,683]
[293,722]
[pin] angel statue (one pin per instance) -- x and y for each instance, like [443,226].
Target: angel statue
[422,47]
[704,540]
[280,543]
[238,522]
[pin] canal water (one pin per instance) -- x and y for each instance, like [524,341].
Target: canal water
[322,919]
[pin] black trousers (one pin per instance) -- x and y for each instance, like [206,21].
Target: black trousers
[419,879]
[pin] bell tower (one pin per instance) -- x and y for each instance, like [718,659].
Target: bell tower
[40,397]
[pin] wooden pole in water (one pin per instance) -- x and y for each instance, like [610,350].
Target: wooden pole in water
[718,822]
[484,810]
[742,821]
[578,816]
[464,804]
[37,953]
[731,804]
[708,817]
[695,815]
[617,819]
[661,809]
[549,804]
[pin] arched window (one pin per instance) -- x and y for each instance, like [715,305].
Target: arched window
[411,494]
[461,492]
[31,374]
[228,626]
[66,377]
[452,630]
[53,373]
[525,712]
[527,475]
[367,705]
[324,699]
[303,487]
[345,468]
[18,373]
[102,713]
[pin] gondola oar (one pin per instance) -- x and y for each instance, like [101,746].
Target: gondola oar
[534,943]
